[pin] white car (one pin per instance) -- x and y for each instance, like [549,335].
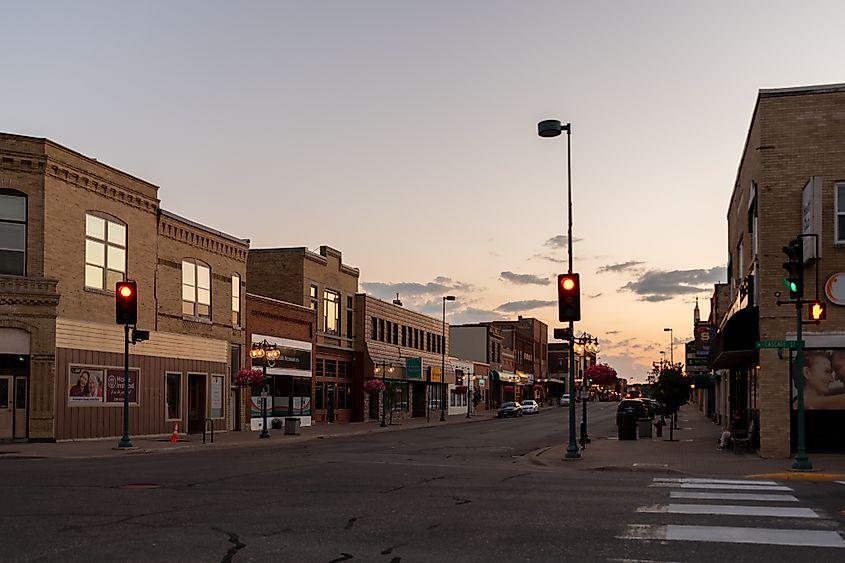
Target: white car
[530,406]
[564,401]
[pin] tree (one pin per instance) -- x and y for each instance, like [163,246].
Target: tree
[601,374]
[672,390]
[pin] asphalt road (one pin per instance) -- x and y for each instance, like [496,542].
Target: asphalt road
[466,492]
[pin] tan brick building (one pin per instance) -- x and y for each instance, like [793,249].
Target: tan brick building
[410,351]
[70,227]
[323,283]
[791,181]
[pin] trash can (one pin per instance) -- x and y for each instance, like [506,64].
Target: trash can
[292,425]
[644,428]
[628,426]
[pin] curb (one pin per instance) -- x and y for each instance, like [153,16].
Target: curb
[799,476]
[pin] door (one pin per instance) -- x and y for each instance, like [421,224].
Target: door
[20,406]
[7,414]
[196,401]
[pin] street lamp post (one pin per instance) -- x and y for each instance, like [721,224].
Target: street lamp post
[586,345]
[553,128]
[671,345]
[468,396]
[384,369]
[443,360]
[268,353]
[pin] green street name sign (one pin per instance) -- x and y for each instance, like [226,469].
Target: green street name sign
[777,344]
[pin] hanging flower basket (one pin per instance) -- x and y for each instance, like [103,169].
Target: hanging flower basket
[373,386]
[601,374]
[250,378]
[460,389]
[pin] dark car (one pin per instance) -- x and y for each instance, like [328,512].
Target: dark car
[509,409]
[636,406]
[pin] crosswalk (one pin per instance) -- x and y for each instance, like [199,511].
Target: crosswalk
[715,501]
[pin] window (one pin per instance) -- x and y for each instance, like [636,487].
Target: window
[381,329]
[236,300]
[173,395]
[349,332]
[216,396]
[331,311]
[105,252]
[395,333]
[331,368]
[388,329]
[318,370]
[840,212]
[398,397]
[196,289]
[314,297]
[373,328]
[319,400]
[12,233]
[404,335]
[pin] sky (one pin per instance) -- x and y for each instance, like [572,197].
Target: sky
[404,134]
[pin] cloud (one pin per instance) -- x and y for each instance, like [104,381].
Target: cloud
[550,258]
[560,241]
[621,267]
[472,315]
[524,279]
[613,332]
[595,296]
[411,290]
[658,285]
[528,305]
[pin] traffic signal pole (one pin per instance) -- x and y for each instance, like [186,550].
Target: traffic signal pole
[801,463]
[125,442]
[572,449]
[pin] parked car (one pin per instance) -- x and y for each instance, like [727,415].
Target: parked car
[564,401]
[631,405]
[509,408]
[530,406]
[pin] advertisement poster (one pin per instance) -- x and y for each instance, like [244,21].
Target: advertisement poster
[824,380]
[114,385]
[85,385]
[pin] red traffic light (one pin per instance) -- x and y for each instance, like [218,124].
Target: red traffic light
[569,297]
[567,283]
[126,303]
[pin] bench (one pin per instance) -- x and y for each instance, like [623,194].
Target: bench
[743,438]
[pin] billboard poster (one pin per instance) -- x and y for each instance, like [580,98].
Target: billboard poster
[85,385]
[824,380]
[115,385]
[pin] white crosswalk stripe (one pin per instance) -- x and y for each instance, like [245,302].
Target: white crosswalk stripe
[726,498]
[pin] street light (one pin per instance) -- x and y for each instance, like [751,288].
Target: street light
[269,353]
[384,370]
[443,360]
[671,345]
[586,345]
[553,128]
[469,387]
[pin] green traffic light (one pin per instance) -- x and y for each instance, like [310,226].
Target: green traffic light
[793,287]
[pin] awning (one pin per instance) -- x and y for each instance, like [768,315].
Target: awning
[392,356]
[736,344]
[553,380]
[504,376]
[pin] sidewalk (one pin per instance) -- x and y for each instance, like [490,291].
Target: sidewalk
[693,452]
[106,447]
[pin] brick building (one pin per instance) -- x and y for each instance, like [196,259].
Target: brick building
[290,382]
[790,181]
[409,350]
[323,283]
[70,228]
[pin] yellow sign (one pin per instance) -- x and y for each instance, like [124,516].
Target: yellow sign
[436,374]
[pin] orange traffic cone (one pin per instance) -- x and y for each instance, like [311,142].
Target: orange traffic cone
[175,436]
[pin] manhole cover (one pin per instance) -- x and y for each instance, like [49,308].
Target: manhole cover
[136,486]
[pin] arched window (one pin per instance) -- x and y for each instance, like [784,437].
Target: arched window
[105,252]
[196,288]
[12,232]
[236,300]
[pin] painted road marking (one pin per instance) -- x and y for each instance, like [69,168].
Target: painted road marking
[731,496]
[731,510]
[722,481]
[724,486]
[726,534]
[841,482]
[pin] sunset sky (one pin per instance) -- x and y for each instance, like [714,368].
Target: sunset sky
[404,134]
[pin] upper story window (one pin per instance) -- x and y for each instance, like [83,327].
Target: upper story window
[313,297]
[236,300]
[373,328]
[196,288]
[840,212]
[12,233]
[331,311]
[349,317]
[105,252]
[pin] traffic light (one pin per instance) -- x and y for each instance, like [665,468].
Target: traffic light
[563,334]
[126,302]
[569,297]
[794,268]
[818,311]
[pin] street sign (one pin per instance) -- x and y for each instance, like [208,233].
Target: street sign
[777,344]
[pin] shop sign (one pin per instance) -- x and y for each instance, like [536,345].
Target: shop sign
[413,368]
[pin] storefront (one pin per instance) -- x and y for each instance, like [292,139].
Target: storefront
[505,386]
[288,383]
